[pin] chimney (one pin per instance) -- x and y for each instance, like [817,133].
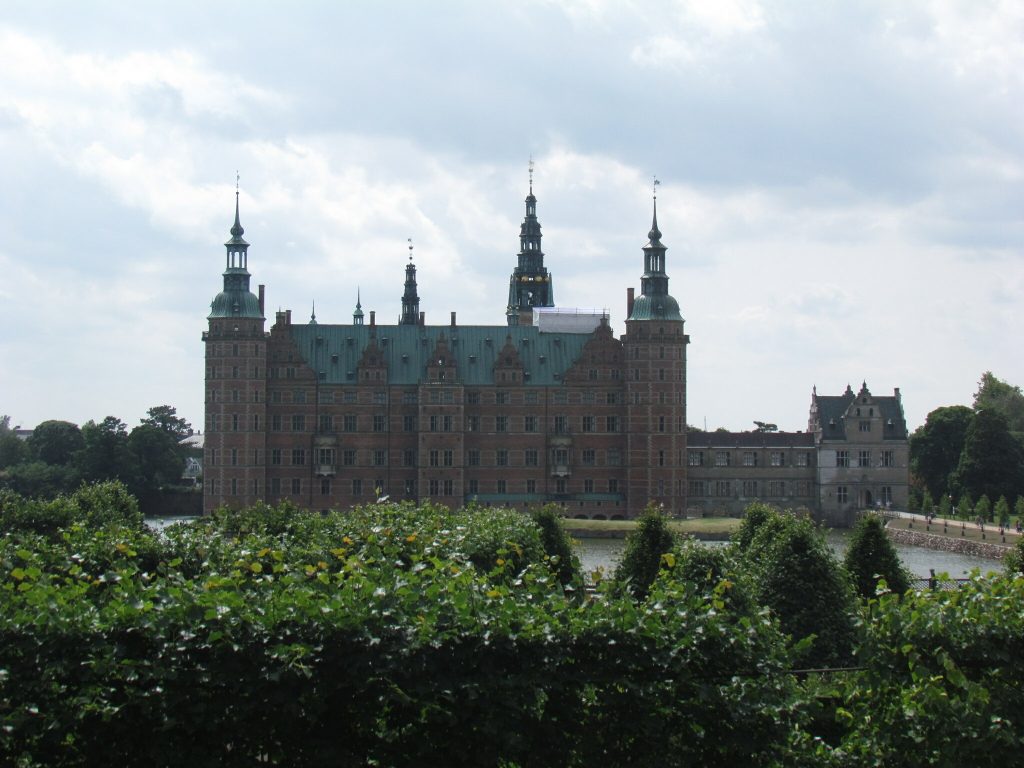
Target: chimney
[629,303]
[373,318]
[453,324]
[287,317]
[263,289]
[896,390]
[279,318]
[423,319]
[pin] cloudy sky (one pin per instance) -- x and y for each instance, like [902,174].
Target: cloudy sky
[842,184]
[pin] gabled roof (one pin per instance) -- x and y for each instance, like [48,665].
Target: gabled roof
[407,349]
[832,412]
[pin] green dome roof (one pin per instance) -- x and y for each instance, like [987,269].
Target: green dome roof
[235,304]
[660,307]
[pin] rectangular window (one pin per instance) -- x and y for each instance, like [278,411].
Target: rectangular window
[697,488]
[530,423]
[750,458]
[472,487]
[473,457]
[612,398]
[357,486]
[275,486]
[379,424]
[865,426]
[612,424]
[298,422]
[501,398]
[234,457]
[299,396]
[661,458]
[613,485]
[842,458]
[380,398]
[378,458]
[408,423]
[296,486]
[560,485]
[325,396]
[473,398]
[501,458]
[275,456]
[864,458]
[275,422]
[348,457]
[325,486]
[777,488]
[723,488]
[588,486]
[561,425]
[501,423]
[448,486]
[234,422]
[530,398]
[409,397]
[531,486]
[349,422]
[588,457]
[530,457]
[614,457]
[501,486]
[661,423]
[589,423]
[842,495]
[472,423]
[750,488]
[777,458]
[802,459]
[435,458]
[298,456]
[888,458]
[560,397]
[434,486]
[722,458]
[408,458]
[448,456]
[325,456]
[696,458]
[886,495]
[325,422]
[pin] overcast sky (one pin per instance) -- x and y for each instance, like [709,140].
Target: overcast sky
[842,184]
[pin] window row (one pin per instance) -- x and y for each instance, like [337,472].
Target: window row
[750,489]
[702,458]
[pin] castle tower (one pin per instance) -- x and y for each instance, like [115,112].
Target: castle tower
[655,369]
[234,449]
[357,315]
[530,285]
[410,299]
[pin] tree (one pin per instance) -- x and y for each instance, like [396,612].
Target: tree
[1018,508]
[965,507]
[795,574]
[871,555]
[165,417]
[105,454]
[935,447]
[12,449]
[37,479]
[1002,512]
[983,509]
[927,503]
[945,507]
[557,544]
[766,427]
[994,394]
[55,442]
[992,460]
[157,459]
[644,552]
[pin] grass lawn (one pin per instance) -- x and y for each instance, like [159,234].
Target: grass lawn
[954,529]
[719,526]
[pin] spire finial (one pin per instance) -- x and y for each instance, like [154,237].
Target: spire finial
[531,174]
[409,239]
[655,233]
[359,304]
[312,316]
[236,228]
[655,187]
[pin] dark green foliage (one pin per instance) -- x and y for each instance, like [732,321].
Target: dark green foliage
[992,461]
[1013,561]
[795,574]
[936,445]
[12,449]
[557,544]
[713,570]
[965,507]
[1001,512]
[1002,397]
[55,442]
[371,639]
[983,509]
[871,555]
[643,555]
[93,506]
[944,685]
[946,507]
[927,503]
[755,516]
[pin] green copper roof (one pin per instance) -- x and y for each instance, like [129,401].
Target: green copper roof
[659,307]
[337,349]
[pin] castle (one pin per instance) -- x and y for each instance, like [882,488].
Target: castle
[550,407]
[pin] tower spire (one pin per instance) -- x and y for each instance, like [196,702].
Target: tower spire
[530,285]
[654,302]
[236,300]
[357,316]
[410,299]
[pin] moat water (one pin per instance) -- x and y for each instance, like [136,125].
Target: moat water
[605,554]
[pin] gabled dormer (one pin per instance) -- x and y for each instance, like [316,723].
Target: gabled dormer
[508,367]
[442,365]
[372,366]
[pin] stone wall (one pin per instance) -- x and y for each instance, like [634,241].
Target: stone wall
[949,543]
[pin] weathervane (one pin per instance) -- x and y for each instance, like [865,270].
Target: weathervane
[237,179]
[655,187]
[410,249]
[531,174]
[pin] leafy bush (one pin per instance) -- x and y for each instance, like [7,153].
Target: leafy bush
[92,505]
[796,575]
[644,553]
[557,544]
[871,555]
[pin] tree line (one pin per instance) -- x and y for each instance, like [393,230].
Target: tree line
[969,461]
[59,455]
